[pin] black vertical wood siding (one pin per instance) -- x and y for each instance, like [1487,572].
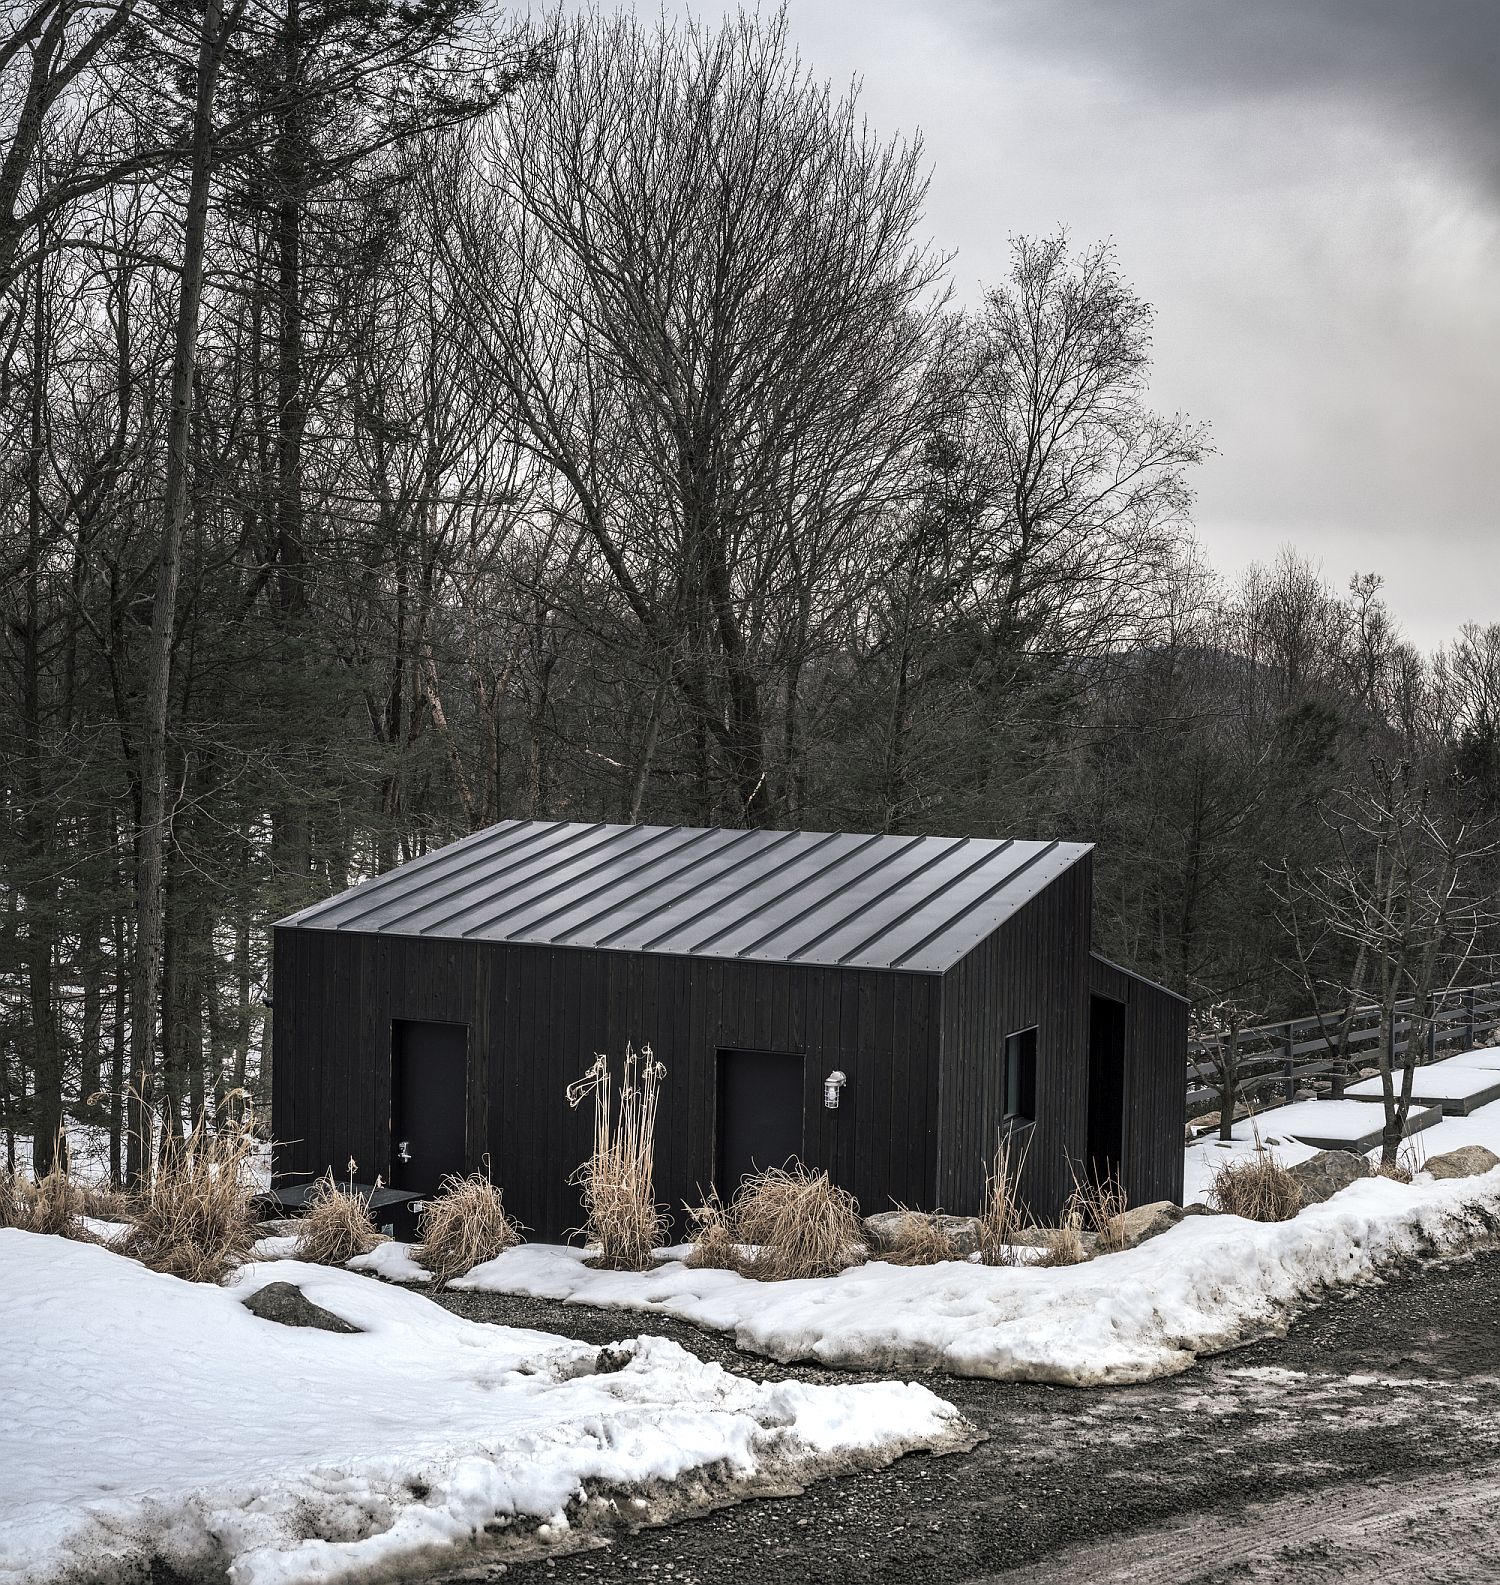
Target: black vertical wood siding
[1034,970]
[537,1016]
[922,1053]
[1156,1028]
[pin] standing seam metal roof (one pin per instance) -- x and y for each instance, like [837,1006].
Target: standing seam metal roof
[831,898]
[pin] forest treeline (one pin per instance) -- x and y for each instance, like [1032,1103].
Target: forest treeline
[412,417]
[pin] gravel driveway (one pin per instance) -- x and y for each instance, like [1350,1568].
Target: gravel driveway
[1363,1445]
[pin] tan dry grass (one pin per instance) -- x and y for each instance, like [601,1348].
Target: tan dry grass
[463,1226]
[1256,1187]
[53,1204]
[1098,1204]
[715,1247]
[621,1216]
[196,1219]
[108,1205]
[336,1227]
[797,1223]
[920,1239]
[1002,1215]
[1065,1246]
[1411,1159]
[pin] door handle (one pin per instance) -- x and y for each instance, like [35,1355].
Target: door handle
[403,1150]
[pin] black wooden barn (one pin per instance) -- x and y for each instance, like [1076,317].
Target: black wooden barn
[433,1016]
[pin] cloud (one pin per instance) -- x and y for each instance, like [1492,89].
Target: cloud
[1309,193]
[1441,54]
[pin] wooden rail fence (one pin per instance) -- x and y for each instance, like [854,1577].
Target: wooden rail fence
[1278,1060]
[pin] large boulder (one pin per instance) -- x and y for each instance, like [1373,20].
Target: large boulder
[886,1230]
[1139,1223]
[1468,1161]
[284,1303]
[1322,1176]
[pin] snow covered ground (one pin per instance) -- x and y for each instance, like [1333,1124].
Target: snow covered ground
[1480,1127]
[1480,1057]
[1438,1081]
[143,1416]
[1336,1125]
[1207,1284]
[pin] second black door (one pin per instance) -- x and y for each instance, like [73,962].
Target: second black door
[759,1114]
[429,1103]
[1106,1086]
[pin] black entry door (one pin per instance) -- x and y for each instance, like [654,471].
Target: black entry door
[1106,1086]
[429,1102]
[760,1114]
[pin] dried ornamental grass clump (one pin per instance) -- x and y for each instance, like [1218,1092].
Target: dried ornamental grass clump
[621,1216]
[1256,1187]
[337,1224]
[465,1225]
[796,1223]
[196,1219]
[715,1247]
[53,1204]
[12,1199]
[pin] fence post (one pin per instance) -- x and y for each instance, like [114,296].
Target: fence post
[1289,1064]
[1469,1019]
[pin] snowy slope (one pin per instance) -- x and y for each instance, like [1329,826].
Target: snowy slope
[142,1415]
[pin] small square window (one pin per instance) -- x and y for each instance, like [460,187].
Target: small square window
[1019,1077]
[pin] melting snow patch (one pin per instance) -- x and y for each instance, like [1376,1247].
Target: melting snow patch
[394,1262]
[148,1417]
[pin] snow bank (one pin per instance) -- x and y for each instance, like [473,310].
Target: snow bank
[1207,1284]
[142,1416]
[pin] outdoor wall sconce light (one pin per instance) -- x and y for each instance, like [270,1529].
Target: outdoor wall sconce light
[831,1087]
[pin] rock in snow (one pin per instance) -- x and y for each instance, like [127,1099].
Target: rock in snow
[1139,1223]
[1468,1161]
[288,1305]
[1322,1177]
[884,1230]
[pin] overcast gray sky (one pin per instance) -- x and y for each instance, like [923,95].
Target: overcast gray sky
[1309,193]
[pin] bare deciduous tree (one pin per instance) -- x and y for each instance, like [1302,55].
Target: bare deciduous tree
[1391,919]
[690,272]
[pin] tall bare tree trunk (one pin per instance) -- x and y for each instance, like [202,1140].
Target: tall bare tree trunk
[117,1040]
[40,890]
[150,858]
[291,410]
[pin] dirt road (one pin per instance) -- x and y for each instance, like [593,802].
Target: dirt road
[1363,1446]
